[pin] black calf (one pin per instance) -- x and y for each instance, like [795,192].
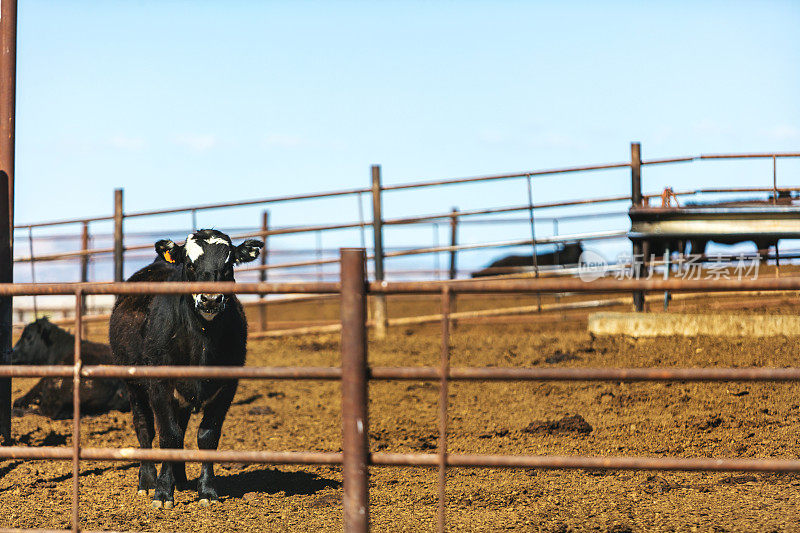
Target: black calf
[198,329]
[568,254]
[44,343]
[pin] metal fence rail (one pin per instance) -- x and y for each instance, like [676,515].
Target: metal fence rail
[355,374]
[118,249]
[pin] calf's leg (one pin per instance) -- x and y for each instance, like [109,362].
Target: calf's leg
[183,420]
[145,431]
[169,436]
[208,435]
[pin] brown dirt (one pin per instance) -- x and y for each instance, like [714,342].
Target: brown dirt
[640,419]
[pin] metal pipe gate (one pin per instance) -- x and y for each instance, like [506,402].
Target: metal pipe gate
[355,374]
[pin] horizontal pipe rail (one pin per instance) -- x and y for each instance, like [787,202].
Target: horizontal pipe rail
[494,177]
[167,287]
[420,373]
[262,201]
[138,454]
[553,462]
[750,156]
[190,372]
[540,285]
[505,244]
[408,221]
[587,374]
[476,246]
[561,462]
[554,285]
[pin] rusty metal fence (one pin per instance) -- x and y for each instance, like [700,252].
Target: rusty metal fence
[377,191]
[355,373]
[118,250]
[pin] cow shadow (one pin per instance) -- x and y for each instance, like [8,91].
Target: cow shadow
[272,481]
[5,469]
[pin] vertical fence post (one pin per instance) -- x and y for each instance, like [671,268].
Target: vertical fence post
[8,70]
[76,413]
[453,253]
[636,201]
[119,249]
[262,275]
[437,267]
[379,315]
[444,369]
[774,180]
[33,270]
[453,241]
[84,259]
[534,253]
[558,256]
[355,428]
[319,254]
[85,249]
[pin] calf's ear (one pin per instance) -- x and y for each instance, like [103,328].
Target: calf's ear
[248,250]
[169,251]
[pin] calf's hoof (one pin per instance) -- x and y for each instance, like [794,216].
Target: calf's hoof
[158,504]
[143,492]
[206,502]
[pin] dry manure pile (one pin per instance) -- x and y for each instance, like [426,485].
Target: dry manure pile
[644,419]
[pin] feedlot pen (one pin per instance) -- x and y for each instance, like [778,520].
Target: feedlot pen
[452,432]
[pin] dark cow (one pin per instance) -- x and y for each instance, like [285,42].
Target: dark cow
[568,254]
[196,329]
[697,245]
[44,343]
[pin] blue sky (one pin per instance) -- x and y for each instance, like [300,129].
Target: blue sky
[193,102]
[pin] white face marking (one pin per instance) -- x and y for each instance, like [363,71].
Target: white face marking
[193,250]
[217,240]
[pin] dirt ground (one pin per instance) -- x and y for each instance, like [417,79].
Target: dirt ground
[647,419]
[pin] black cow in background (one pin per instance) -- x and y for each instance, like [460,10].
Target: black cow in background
[44,343]
[567,254]
[196,329]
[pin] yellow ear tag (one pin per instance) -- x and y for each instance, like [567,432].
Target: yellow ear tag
[168,257]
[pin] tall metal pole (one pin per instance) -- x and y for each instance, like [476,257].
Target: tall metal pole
[84,264]
[453,256]
[453,241]
[8,90]
[76,412]
[534,253]
[379,315]
[774,180]
[636,201]
[355,428]
[119,250]
[85,256]
[444,369]
[262,275]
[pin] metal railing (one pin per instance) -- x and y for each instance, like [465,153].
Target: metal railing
[118,251]
[354,374]
[377,222]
